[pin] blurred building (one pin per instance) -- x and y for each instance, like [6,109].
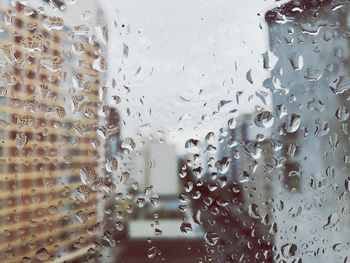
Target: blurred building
[234,190]
[159,185]
[152,221]
[51,72]
[112,124]
[310,84]
[252,151]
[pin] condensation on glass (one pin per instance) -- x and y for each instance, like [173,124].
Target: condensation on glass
[159,131]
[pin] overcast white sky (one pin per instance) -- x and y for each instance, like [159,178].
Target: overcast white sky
[184,57]
[188,49]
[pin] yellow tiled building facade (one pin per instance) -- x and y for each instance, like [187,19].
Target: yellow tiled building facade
[49,147]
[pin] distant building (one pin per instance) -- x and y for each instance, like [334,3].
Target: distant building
[250,151]
[161,168]
[242,183]
[112,123]
[51,73]
[310,84]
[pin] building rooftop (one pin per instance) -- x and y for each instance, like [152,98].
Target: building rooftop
[293,9]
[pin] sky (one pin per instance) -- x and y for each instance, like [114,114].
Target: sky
[175,68]
[173,62]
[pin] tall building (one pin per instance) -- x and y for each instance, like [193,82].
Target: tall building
[250,153]
[51,73]
[112,124]
[238,186]
[310,85]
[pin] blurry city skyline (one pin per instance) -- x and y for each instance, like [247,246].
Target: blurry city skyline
[201,131]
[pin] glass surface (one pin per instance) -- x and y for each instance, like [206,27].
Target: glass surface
[174,131]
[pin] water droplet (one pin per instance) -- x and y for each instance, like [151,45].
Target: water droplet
[26,260]
[340,85]
[291,150]
[193,145]
[128,144]
[186,227]
[83,193]
[249,76]
[337,248]
[293,123]
[87,175]
[184,198]
[148,190]
[330,171]
[264,119]
[253,211]
[86,15]
[93,230]
[347,159]
[52,63]
[273,229]
[188,187]
[111,164]
[155,200]
[158,232]
[53,210]
[80,30]
[109,239]
[244,177]
[211,238]
[266,60]
[222,203]
[42,254]
[223,165]
[119,226]
[21,140]
[210,137]
[296,62]
[140,202]
[289,250]
[152,252]
[332,221]
[210,149]
[322,128]
[3,91]
[334,140]
[196,195]
[125,50]
[53,23]
[33,42]
[347,184]
[198,171]
[232,123]
[342,113]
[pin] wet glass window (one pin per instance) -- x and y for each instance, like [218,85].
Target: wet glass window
[174,131]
